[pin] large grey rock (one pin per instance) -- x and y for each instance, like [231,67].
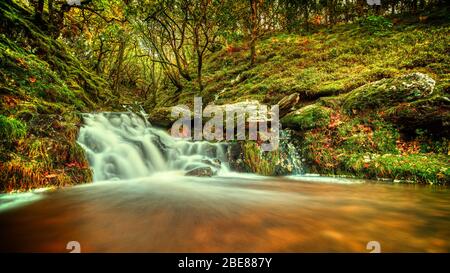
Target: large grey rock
[212,162]
[201,171]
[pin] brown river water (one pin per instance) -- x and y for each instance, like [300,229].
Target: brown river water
[171,213]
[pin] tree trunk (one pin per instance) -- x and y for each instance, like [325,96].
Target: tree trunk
[253,30]
[199,71]
[307,17]
[414,7]
[198,51]
[360,7]
[39,10]
[99,58]
[118,67]
[51,10]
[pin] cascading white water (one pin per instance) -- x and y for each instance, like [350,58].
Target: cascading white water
[124,146]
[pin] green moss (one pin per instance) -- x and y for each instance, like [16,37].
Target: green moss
[382,129]
[368,147]
[361,135]
[43,162]
[258,161]
[324,64]
[431,114]
[357,105]
[42,88]
[11,129]
[332,88]
[422,168]
[308,117]
[377,25]
[388,92]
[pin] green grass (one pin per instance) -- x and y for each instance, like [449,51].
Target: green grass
[420,168]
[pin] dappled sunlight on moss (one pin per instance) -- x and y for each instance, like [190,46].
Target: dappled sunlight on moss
[11,129]
[327,63]
[308,117]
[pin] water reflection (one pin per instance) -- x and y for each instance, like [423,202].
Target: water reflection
[167,213]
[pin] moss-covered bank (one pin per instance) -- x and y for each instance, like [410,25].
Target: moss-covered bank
[359,134]
[43,87]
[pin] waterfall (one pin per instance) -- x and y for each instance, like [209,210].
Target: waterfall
[124,146]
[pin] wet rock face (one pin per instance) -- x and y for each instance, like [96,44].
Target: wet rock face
[201,171]
[161,117]
[212,162]
[249,157]
[389,92]
[236,158]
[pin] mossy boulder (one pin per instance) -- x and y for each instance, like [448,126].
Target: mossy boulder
[249,157]
[308,117]
[161,117]
[432,114]
[388,92]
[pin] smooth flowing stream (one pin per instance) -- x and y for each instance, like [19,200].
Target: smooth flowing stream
[124,146]
[142,202]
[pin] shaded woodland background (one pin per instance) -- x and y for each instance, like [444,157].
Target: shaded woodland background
[144,45]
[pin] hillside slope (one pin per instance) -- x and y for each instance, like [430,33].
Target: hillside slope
[43,87]
[342,130]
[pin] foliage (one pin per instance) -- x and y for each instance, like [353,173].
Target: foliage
[11,129]
[43,86]
[377,25]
